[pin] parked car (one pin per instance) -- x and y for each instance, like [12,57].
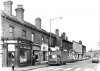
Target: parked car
[95,59]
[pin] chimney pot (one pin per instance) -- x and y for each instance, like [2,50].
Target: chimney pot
[20,11]
[20,6]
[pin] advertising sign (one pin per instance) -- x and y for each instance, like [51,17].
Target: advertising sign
[77,47]
[44,47]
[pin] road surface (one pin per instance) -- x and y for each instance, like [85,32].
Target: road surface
[85,65]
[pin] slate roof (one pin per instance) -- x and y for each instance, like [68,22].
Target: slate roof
[22,22]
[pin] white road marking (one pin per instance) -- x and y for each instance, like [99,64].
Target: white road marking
[77,69]
[50,68]
[67,69]
[46,69]
[89,69]
[57,69]
[93,70]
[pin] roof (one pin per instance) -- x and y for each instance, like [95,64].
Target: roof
[22,22]
[52,34]
[67,41]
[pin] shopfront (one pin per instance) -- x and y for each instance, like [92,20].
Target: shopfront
[36,55]
[44,50]
[25,55]
[17,50]
[11,53]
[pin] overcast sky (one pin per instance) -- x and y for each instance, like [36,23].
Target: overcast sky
[80,17]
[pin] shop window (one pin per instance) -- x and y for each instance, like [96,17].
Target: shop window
[24,34]
[24,56]
[11,31]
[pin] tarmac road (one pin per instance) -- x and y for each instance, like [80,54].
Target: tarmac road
[85,65]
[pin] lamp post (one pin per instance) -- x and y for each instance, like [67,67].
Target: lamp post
[50,27]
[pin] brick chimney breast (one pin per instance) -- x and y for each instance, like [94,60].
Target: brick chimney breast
[38,23]
[20,12]
[8,7]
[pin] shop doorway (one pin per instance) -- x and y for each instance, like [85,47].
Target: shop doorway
[10,58]
[43,55]
[35,57]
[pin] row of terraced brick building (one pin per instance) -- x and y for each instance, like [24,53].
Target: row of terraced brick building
[22,41]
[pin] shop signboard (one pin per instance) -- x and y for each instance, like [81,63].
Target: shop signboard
[10,41]
[44,47]
[11,47]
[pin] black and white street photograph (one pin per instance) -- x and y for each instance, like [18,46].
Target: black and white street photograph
[49,35]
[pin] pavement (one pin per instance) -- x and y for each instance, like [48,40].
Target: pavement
[98,67]
[27,68]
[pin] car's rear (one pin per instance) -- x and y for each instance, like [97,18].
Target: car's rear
[53,59]
[95,60]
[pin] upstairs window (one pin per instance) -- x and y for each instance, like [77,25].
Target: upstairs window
[32,37]
[42,39]
[11,31]
[47,40]
[24,34]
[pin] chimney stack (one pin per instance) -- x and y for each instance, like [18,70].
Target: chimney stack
[8,7]
[64,35]
[20,12]
[80,42]
[57,32]
[38,23]
[66,38]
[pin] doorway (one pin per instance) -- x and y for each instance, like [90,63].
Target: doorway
[43,55]
[10,58]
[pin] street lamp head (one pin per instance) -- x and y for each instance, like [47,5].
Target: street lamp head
[56,18]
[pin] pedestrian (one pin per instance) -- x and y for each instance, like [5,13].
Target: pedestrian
[33,63]
[12,66]
[12,63]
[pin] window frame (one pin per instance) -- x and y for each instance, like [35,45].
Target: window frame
[32,37]
[11,31]
[24,34]
[42,39]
